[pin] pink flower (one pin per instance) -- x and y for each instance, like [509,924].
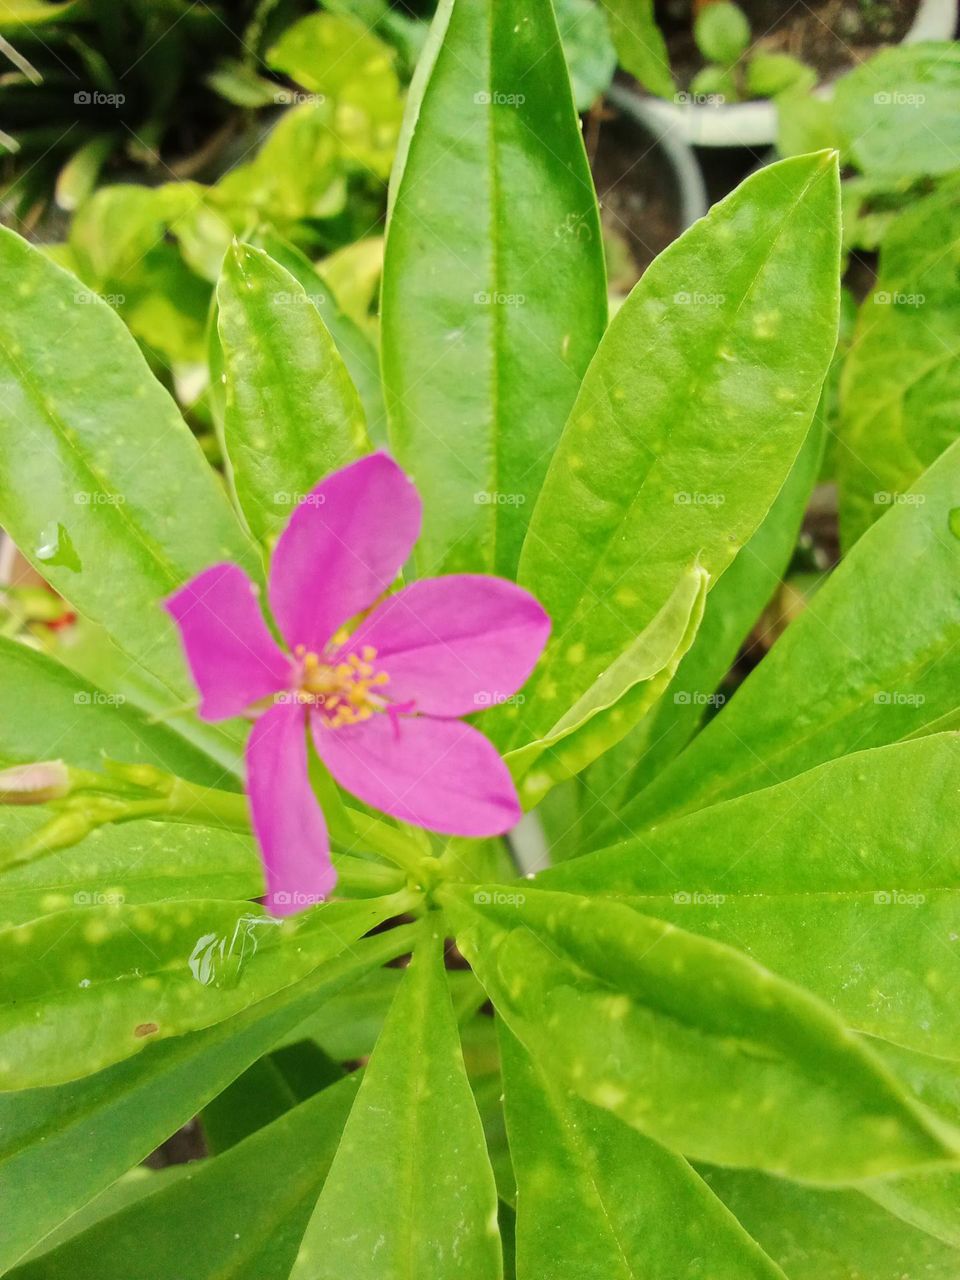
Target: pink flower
[381,702]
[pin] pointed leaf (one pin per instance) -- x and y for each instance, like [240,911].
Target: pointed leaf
[858,903]
[119,977]
[873,659]
[494,294]
[104,489]
[411,1193]
[683,1038]
[292,415]
[679,455]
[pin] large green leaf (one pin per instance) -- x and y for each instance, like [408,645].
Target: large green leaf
[494,293]
[411,1193]
[731,610]
[239,1215]
[830,1235]
[684,1038]
[898,111]
[48,713]
[599,1201]
[103,487]
[874,658]
[859,902]
[132,863]
[60,1147]
[900,391]
[679,455]
[292,414]
[87,987]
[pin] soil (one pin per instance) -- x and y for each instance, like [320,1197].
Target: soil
[831,36]
[639,200]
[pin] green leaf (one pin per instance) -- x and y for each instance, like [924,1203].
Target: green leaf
[679,456]
[356,350]
[591,57]
[47,712]
[292,415]
[855,903]
[872,659]
[104,489]
[599,1201]
[829,1235]
[722,32]
[617,698]
[494,296]
[240,1214]
[640,45]
[898,111]
[60,1147]
[411,1193]
[770,74]
[731,611]
[900,387]
[135,863]
[683,1038]
[121,976]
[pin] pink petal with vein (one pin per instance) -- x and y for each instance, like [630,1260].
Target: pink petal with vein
[287,820]
[232,656]
[342,548]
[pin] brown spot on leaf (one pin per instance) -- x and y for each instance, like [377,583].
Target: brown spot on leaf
[145,1029]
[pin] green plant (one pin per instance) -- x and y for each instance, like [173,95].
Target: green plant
[734,72]
[725,1035]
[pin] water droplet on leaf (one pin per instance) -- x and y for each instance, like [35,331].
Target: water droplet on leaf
[56,548]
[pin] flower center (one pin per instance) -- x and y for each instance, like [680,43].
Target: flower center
[343,692]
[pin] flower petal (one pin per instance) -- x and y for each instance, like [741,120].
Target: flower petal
[287,820]
[232,656]
[342,547]
[440,774]
[455,645]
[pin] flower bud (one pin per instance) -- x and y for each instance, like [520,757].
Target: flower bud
[34,783]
